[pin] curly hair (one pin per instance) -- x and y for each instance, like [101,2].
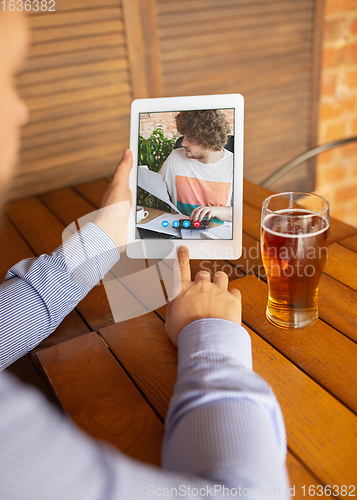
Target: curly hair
[209,128]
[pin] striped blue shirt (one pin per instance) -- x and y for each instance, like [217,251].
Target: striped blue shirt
[225,434]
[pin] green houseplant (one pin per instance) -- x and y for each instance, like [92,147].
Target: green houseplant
[153,153]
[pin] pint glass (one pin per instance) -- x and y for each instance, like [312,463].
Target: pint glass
[295,231]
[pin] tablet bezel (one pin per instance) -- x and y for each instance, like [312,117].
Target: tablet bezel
[199,249]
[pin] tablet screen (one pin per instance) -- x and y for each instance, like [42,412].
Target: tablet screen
[185,175]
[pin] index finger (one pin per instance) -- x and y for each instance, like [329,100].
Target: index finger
[181,271]
[183,258]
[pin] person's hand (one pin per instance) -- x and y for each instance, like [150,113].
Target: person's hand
[200,298]
[222,213]
[200,212]
[115,209]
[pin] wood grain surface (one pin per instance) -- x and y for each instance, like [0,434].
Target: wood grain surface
[100,398]
[319,350]
[145,351]
[13,247]
[342,265]
[321,431]
[117,386]
[337,306]
[93,191]
[350,243]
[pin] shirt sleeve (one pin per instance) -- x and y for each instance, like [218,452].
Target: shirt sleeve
[224,435]
[38,293]
[224,421]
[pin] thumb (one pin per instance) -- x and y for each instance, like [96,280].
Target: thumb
[118,189]
[122,171]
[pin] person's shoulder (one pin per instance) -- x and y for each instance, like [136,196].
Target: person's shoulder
[179,152]
[176,155]
[228,154]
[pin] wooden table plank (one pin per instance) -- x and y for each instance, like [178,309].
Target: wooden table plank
[321,431]
[316,432]
[251,221]
[41,229]
[340,230]
[337,306]
[93,191]
[100,398]
[350,243]
[72,326]
[300,476]
[13,247]
[147,354]
[254,195]
[342,265]
[251,260]
[67,205]
[319,350]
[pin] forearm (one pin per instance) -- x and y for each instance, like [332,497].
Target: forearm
[224,422]
[225,213]
[224,425]
[212,212]
[67,463]
[38,293]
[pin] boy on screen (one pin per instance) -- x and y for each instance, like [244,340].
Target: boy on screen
[199,176]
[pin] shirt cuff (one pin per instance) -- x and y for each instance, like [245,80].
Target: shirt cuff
[91,252]
[219,336]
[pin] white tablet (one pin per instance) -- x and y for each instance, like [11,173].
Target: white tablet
[187,178]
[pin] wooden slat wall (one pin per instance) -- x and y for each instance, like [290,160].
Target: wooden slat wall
[262,49]
[77,86]
[90,58]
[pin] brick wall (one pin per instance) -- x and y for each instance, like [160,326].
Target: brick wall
[337,169]
[150,121]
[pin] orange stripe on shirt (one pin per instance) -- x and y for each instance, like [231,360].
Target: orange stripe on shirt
[197,192]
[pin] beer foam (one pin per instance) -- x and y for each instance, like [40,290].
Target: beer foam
[288,235]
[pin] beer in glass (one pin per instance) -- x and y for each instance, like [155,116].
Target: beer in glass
[295,231]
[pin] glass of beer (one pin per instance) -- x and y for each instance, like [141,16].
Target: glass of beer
[295,230]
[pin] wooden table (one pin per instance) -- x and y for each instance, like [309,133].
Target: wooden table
[115,380]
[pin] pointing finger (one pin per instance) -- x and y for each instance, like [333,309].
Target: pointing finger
[183,258]
[181,271]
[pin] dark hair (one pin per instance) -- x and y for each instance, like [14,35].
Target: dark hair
[209,128]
